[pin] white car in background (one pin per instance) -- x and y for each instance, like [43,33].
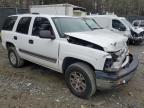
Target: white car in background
[121,26]
[97,28]
[138,23]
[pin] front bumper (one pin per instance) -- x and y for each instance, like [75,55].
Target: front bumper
[105,80]
[137,39]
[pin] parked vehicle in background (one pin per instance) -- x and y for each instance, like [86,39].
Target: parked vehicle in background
[121,26]
[96,27]
[138,23]
[89,60]
[59,9]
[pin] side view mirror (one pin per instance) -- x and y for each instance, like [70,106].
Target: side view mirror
[46,34]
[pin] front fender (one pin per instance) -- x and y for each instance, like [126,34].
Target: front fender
[92,56]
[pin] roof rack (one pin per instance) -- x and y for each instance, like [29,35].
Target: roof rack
[35,13]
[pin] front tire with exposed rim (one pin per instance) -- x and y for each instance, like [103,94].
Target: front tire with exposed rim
[80,80]
[14,58]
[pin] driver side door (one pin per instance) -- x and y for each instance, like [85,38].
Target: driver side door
[44,50]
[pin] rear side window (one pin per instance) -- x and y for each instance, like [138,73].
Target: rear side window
[23,25]
[9,23]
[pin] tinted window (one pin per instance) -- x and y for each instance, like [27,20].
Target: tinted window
[23,25]
[136,24]
[9,23]
[41,23]
[116,24]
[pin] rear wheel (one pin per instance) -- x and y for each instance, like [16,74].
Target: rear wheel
[14,58]
[80,80]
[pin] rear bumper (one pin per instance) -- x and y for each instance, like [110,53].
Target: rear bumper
[112,80]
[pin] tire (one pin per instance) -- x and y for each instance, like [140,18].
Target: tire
[79,73]
[14,58]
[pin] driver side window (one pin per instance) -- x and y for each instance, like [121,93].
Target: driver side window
[116,24]
[41,23]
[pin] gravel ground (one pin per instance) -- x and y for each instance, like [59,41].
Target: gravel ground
[36,87]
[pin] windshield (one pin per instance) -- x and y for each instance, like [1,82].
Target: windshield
[92,24]
[66,24]
[142,24]
[127,22]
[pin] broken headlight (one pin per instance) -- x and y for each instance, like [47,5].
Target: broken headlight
[116,55]
[108,64]
[109,61]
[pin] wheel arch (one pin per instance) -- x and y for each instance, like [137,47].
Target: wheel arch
[70,60]
[9,44]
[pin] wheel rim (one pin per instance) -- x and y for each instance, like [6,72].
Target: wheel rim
[12,58]
[77,82]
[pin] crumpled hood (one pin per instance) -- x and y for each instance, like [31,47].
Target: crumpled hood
[137,29]
[107,39]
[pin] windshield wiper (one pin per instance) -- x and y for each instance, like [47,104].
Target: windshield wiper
[96,28]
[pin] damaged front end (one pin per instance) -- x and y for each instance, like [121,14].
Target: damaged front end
[119,66]
[136,38]
[117,71]
[119,60]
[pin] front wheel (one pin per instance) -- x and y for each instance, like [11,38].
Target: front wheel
[80,80]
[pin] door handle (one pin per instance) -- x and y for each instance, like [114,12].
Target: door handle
[31,41]
[15,37]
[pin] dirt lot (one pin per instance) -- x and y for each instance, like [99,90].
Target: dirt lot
[35,87]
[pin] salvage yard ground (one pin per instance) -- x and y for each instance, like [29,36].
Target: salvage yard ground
[36,87]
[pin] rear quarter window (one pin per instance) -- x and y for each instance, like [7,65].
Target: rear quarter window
[9,23]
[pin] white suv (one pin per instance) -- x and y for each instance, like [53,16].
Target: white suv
[90,60]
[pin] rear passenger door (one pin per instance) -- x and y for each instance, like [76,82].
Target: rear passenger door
[22,36]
